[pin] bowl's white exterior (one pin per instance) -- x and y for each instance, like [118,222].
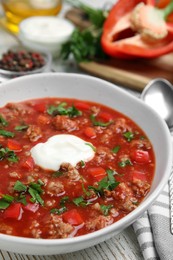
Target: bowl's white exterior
[93,89]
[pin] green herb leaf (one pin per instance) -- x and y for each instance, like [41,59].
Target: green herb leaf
[98,123]
[84,45]
[22,199]
[105,209]
[92,147]
[116,149]
[57,174]
[129,136]
[35,190]
[107,183]
[6,153]
[4,204]
[8,198]
[58,211]
[62,110]
[19,186]
[6,133]
[21,127]
[3,122]
[125,163]
[64,200]
[80,202]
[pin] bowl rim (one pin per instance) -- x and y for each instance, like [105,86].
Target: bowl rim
[128,219]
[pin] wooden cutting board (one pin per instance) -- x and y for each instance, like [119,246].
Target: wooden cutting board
[133,74]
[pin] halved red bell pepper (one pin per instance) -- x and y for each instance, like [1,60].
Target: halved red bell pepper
[122,39]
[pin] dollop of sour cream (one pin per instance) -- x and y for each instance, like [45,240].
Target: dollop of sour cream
[60,149]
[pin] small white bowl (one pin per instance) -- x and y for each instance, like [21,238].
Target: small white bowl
[94,89]
[45,33]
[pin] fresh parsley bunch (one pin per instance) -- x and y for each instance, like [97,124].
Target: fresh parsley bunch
[85,44]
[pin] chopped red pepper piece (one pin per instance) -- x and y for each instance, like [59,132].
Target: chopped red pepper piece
[73,217]
[14,211]
[81,105]
[105,116]
[29,163]
[90,132]
[97,172]
[140,156]
[14,145]
[40,107]
[128,23]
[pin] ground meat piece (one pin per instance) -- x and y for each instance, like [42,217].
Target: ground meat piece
[71,172]
[106,137]
[144,143]
[5,229]
[95,110]
[102,154]
[43,120]
[34,133]
[64,123]
[125,197]
[140,187]
[99,222]
[55,188]
[54,227]
[18,109]
[15,175]
[35,229]
[120,126]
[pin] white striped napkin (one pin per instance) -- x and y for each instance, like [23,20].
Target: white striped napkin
[153,229]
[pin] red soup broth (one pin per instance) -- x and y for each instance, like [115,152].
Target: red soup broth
[74,200]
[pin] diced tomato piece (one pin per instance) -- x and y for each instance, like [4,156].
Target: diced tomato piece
[97,172]
[14,211]
[81,105]
[33,207]
[14,145]
[40,107]
[73,217]
[105,116]
[90,132]
[29,163]
[139,175]
[140,156]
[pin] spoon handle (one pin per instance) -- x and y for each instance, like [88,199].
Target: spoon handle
[171,199]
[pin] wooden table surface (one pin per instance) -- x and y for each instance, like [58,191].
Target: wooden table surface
[121,247]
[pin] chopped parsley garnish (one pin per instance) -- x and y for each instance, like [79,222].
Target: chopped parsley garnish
[62,110]
[34,189]
[125,163]
[92,147]
[116,149]
[3,122]
[82,163]
[57,174]
[107,183]
[8,154]
[105,209]
[64,200]
[6,201]
[58,211]
[19,186]
[80,202]
[21,127]
[129,136]
[98,123]
[6,133]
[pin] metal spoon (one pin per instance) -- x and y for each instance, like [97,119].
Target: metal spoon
[158,94]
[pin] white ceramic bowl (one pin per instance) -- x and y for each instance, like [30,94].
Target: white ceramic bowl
[90,88]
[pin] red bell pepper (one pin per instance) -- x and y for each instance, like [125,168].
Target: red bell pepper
[137,28]
[14,211]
